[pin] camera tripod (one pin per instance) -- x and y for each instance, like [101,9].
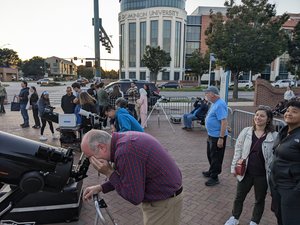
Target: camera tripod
[158,106]
[100,204]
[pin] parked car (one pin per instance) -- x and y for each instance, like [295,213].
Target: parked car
[243,84]
[45,81]
[283,83]
[169,84]
[82,81]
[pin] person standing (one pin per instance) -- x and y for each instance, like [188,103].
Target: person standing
[2,97]
[142,102]
[216,125]
[35,111]
[285,169]
[67,101]
[132,93]
[102,101]
[23,99]
[43,103]
[255,144]
[114,95]
[143,173]
[87,103]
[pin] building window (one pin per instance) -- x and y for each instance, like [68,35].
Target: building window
[194,20]
[122,45]
[176,75]
[177,44]
[167,36]
[142,75]
[166,76]
[154,33]
[142,41]
[193,33]
[132,44]
[283,72]
[266,74]
[132,75]
[191,47]
[142,4]
[122,75]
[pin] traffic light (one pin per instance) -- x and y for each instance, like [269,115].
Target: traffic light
[88,64]
[75,58]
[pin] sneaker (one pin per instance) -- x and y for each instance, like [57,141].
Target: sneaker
[206,174]
[25,126]
[54,136]
[22,124]
[188,129]
[212,182]
[184,128]
[43,138]
[232,221]
[252,223]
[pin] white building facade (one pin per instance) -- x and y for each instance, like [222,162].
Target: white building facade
[155,23]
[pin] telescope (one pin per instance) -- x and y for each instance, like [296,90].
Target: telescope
[29,167]
[95,118]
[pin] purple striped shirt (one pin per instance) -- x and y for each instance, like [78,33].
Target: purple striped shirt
[144,170]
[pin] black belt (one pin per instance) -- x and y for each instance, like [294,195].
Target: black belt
[178,192]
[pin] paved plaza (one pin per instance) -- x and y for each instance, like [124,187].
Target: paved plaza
[202,205]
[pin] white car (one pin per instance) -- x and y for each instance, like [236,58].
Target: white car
[283,83]
[243,84]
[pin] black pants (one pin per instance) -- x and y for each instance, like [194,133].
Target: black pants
[35,113]
[131,108]
[286,206]
[215,156]
[102,114]
[2,110]
[260,191]
[44,125]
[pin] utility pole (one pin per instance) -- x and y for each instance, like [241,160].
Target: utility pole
[96,35]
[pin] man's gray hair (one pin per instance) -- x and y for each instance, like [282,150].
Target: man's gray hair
[98,137]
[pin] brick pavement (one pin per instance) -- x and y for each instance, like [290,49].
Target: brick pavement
[202,205]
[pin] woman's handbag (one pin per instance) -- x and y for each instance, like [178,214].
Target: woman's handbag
[240,167]
[15,106]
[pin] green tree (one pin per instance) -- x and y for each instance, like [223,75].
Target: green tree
[87,72]
[9,57]
[155,59]
[198,63]
[249,38]
[294,51]
[111,74]
[34,67]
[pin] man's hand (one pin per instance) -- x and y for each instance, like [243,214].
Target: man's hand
[90,191]
[220,143]
[102,166]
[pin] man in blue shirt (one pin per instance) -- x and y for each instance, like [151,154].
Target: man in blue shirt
[216,125]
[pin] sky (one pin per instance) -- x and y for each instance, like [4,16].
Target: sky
[63,28]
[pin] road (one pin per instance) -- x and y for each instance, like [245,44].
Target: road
[56,92]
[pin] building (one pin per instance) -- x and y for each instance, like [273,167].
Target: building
[8,74]
[61,68]
[155,23]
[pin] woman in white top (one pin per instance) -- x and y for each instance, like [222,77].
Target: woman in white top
[143,106]
[289,94]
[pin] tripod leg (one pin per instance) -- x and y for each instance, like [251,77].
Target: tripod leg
[167,119]
[154,107]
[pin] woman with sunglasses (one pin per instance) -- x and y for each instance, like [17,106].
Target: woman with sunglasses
[254,144]
[285,169]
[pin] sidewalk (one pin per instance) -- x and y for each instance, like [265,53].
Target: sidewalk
[202,205]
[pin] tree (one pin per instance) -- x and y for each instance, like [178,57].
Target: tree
[155,59]
[8,57]
[34,67]
[294,51]
[198,63]
[249,38]
[86,72]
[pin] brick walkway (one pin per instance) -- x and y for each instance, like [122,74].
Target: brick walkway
[202,205]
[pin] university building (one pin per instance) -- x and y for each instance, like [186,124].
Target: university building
[156,23]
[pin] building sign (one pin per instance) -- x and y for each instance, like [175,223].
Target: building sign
[150,13]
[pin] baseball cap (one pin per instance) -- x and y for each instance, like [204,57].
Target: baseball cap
[212,89]
[45,92]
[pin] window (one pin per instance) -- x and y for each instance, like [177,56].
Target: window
[193,33]
[122,45]
[177,44]
[132,75]
[154,33]
[167,36]
[166,76]
[194,20]
[191,47]
[142,41]
[132,44]
[122,75]
[142,4]
[142,75]
[176,75]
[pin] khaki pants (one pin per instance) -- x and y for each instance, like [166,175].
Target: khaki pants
[164,212]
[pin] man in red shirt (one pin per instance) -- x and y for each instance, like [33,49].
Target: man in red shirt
[143,172]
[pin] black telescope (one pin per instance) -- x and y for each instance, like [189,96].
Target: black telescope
[29,166]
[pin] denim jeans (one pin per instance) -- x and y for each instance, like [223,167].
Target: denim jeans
[24,114]
[188,119]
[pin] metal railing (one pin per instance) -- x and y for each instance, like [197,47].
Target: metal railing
[240,119]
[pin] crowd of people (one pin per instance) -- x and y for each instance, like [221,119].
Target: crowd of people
[142,171]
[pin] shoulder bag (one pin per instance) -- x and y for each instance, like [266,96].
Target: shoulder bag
[15,105]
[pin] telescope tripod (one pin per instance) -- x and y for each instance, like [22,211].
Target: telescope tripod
[158,106]
[100,204]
